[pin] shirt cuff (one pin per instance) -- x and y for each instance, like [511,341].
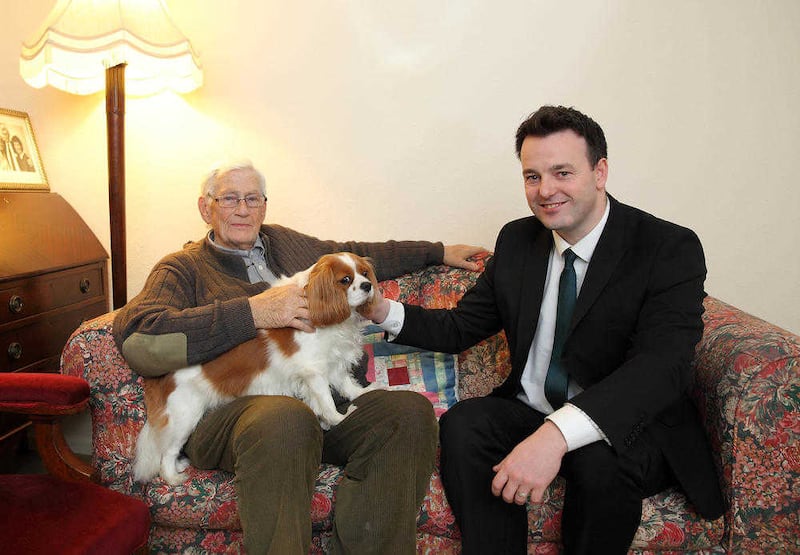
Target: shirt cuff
[394,320]
[576,427]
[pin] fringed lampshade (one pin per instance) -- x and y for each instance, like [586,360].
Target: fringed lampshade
[86,45]
[81,38]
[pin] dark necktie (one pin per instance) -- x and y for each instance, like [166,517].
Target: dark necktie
[555,385]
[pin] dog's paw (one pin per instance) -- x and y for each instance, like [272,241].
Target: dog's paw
[143,473]
[374,386]
[182,464]
[328,421]
[174,478]
[172,470]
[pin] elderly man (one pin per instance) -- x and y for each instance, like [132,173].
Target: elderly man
[213,295]
[601,304]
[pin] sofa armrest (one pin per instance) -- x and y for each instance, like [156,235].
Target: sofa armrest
[747,388]
[116,402]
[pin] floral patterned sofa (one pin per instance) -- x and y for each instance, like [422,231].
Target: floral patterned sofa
[747,388]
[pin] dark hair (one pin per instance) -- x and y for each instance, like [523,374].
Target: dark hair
[552,119]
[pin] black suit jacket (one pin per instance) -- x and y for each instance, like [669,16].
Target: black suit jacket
[631,341]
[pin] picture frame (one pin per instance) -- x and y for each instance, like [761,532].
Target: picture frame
[21,166]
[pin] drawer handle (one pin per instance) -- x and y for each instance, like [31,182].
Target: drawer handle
[15,351]
[15,304]
[85,285]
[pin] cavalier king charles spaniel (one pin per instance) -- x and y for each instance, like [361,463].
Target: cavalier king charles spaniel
[281,361]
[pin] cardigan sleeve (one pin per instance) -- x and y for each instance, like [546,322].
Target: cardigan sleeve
[292,252]
[186,314]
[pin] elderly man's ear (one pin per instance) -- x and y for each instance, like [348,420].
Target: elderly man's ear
[203,207]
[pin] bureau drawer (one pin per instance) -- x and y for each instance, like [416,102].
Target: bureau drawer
[27,297]
[32,343]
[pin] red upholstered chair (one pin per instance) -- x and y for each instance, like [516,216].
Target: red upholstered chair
[64,511]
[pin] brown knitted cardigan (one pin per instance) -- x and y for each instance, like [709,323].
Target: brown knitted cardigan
[194,306]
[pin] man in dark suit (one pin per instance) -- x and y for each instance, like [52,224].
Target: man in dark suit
[598,386]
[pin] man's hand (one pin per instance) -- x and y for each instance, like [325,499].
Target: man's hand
[377,309]
[531,466]
[456,255]
[281,307]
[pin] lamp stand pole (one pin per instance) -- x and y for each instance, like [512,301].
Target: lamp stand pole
[115,127]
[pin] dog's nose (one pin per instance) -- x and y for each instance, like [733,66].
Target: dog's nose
[366,287]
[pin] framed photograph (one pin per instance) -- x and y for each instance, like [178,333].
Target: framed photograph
[20,164]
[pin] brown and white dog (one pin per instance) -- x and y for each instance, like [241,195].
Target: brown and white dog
[281,361]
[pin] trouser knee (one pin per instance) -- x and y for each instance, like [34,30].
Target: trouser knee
[594,470]
[399,414]
[414,413]
[274,426]
[386,427]
[462,425]
[457,423]
[602,501]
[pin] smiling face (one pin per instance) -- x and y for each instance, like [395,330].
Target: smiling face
[564,191]
[237,227]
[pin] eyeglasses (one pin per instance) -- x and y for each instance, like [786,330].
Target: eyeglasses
[232,201]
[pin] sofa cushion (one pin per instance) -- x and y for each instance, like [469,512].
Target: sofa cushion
[394,366]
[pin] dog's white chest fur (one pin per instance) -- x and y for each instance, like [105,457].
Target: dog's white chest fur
[329,352]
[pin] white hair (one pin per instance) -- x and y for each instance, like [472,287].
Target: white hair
[209,184]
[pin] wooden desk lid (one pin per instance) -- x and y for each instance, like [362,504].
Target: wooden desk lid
[41,232]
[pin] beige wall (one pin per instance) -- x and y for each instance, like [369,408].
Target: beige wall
[376,120]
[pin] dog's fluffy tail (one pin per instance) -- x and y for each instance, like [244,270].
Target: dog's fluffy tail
[148,456]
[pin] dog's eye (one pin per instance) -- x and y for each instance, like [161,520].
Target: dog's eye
[365,273]
[346,280]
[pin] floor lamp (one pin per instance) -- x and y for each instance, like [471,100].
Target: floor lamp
[85,46]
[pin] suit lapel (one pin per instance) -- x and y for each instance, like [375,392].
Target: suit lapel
[609,251]
[532,281]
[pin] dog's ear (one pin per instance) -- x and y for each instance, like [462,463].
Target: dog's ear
[327,301]
[367,263]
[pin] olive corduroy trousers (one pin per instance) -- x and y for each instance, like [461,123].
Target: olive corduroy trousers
[274,446]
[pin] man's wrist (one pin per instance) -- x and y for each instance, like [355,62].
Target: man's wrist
[380,312]
[393,322]
[557,436]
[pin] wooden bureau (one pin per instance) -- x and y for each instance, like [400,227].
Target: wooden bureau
[53,276]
